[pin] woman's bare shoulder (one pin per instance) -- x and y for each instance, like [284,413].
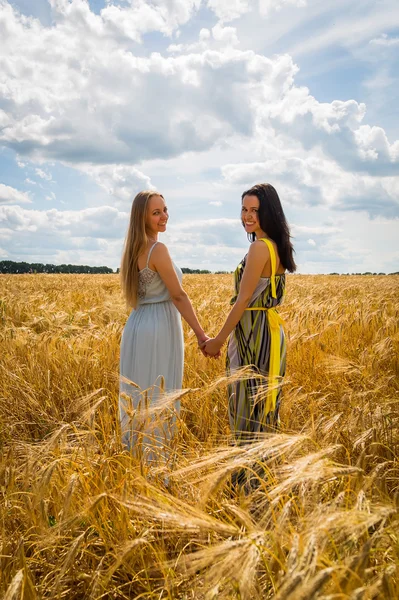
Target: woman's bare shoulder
[258,248]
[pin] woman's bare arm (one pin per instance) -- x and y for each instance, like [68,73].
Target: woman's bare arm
[258,256]
[162,262]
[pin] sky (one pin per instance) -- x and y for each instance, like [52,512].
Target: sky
[200,99]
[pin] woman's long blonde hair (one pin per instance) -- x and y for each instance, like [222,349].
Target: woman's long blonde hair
[135,244]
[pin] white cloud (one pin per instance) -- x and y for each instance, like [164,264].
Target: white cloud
[379,80]
[228,10]
[267,6]
[4,119]
[9,195]
[204,34]
[336,127]
[43,175]
[373,144]
[120,182]
[113,107]
[201,122]
[95,236]
[316,180]
[349,30]
[103,222]
[89,108]
[143,16]
[225,35]
[302,231]
[363,245]
[385,40]
[215,39]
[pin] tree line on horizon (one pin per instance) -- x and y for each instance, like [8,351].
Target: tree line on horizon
[12,267]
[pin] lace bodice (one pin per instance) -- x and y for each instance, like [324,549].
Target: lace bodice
[146,275]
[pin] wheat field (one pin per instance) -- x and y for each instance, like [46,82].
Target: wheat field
[83,519]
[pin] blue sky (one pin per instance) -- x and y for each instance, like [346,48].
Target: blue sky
[200,99]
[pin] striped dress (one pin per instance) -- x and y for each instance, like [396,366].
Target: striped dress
[258,341]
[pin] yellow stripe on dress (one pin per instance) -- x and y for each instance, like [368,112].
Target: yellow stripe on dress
[275,321]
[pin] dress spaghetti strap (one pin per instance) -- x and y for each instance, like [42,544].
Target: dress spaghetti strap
[149,254]
[274,262]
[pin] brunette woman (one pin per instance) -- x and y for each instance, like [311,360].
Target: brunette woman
[254,327]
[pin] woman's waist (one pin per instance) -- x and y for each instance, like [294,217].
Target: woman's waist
[262,306]
[270,314]
[153,302]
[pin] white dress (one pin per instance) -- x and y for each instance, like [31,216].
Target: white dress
[152,356]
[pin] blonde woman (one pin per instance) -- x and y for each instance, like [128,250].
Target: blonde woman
[152,350]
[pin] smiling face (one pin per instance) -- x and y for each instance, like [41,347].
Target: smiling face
[156,217]
[250,215]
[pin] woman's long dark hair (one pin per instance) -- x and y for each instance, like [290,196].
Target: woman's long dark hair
[273,222]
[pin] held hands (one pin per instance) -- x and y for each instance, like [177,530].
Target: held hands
[202,339]
[210,347]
